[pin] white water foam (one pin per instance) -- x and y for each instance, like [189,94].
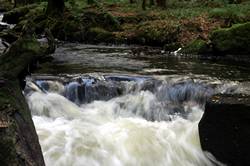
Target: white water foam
[113,133]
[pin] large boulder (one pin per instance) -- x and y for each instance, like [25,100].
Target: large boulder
[225,129]
[233,40]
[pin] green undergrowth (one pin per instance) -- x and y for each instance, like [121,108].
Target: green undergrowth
[232,13]
[118,21]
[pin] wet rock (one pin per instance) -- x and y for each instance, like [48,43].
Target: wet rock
[224,129]
[9,36]
[172,46]
[2,47]
[2,27]
[233,40]
[89,90]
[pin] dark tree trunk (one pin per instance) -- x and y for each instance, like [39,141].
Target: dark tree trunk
[91,2]
[152,3]
[161,3]
[55,7]
[143,4]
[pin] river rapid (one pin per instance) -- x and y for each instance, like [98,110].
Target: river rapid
[126,106]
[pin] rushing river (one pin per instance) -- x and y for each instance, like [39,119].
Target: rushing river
[122,106]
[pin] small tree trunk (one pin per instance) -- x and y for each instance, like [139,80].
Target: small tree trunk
[55,7]
[152,3]
[90,2]
[161,3]
[143,4]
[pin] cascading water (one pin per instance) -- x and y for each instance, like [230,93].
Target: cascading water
[115,119]
[140,122]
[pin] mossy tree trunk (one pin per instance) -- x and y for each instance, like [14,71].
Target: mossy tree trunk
[55,7]
[131,1]
[151,3]
[143,5]
[19,143]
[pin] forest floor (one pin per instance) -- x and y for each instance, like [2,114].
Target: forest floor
[182,24]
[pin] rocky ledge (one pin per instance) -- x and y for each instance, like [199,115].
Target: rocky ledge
[224,129]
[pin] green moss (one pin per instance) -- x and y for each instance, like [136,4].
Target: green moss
[25,49]
[67,29]
[234,40]
[197,46]
[36,11]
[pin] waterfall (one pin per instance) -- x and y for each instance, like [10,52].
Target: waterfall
[140,122]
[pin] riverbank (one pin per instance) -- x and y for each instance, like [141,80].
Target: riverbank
[197,27]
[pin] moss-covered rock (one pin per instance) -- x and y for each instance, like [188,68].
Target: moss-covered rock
[98,35]
[67,29]
[100,19]
[21,15]
[5,5]
[233,40]
[197,46]
[157,33]
[86,28]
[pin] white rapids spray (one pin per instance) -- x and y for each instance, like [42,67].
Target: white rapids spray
[114,132]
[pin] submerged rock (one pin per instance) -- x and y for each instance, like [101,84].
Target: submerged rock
[233,40]
[224,129]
